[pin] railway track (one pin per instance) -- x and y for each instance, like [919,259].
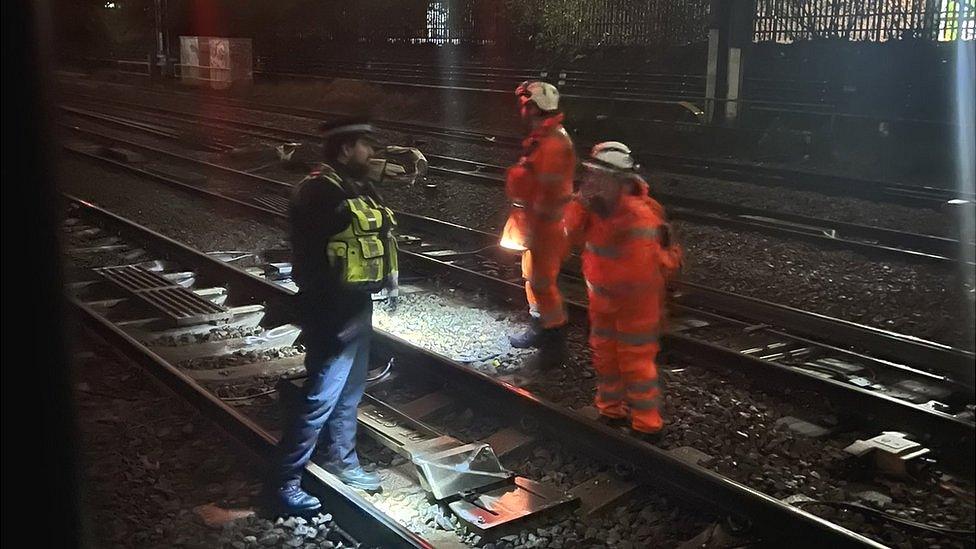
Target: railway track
[130,321]
[915,354]
[776,361]
[934,197]
[871,241]
[120,270]
[87,238]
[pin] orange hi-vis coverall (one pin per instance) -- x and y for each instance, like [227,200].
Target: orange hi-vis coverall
[540,187]
[626,269]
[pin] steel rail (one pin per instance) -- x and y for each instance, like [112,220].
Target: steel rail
[776,176]
[883,343]
[869,240]
[940,427]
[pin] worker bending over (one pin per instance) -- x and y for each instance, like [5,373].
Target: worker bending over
[540,186]
[627,260]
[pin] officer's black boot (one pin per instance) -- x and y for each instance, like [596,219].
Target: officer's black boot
[290,499]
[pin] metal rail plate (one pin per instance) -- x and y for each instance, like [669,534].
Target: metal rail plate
[508,505]
[178,305]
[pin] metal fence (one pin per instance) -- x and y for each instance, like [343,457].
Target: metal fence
[561,23]
[787,21]
[639,23]
[549,23]
[567,25]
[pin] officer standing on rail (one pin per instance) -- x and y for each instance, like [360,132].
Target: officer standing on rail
[540,186]
[627,257]
[343,251]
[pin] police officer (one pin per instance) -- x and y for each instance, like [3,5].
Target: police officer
[343,251]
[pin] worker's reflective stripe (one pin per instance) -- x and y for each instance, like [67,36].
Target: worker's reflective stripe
[608,379]
[644,403]
[616,290]
[643,232]
[602,251]
[604,394]
[642,386]
[642,338]
[551,177]
[650,233]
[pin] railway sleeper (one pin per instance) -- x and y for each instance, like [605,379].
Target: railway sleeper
[466,477]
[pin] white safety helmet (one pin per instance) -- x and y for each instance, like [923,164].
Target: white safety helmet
[611,156]
[543,94]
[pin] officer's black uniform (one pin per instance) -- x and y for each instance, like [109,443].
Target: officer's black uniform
[336,326]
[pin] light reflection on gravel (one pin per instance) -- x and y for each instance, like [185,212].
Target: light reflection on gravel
[448,326]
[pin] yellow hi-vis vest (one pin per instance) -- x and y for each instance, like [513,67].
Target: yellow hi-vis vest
[365,252]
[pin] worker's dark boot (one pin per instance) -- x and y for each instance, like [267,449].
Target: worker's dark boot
[290,499]
[526,338]
[536,336]
[614,422]
[650,438]
[552,348]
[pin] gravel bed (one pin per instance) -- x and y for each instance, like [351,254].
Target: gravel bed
[474,335]
[221,333]
[926,301]
[240,358]
[809,203]
[156,471]
[176,214]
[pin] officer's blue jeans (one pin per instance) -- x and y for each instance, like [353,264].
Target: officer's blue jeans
[328,402]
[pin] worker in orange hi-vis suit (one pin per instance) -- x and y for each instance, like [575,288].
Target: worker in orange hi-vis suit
[540,186]
[627,259]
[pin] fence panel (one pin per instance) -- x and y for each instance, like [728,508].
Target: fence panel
[787,21]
